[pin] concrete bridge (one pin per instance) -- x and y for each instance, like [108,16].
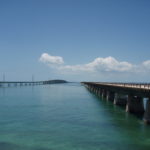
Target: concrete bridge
[19,83]
[25,83]
[130,95]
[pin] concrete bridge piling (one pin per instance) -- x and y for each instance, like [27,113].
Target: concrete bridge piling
[129,95]
[110,96]
[120,99]
[135,104]
[147,112]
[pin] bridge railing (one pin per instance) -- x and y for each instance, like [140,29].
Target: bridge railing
[131,84]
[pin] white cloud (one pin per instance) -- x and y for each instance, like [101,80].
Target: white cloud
[108,64]
[51,60]
[146,64]
[99,65]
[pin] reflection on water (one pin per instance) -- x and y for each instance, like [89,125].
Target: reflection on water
[66,117]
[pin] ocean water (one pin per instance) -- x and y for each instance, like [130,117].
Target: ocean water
[66,117]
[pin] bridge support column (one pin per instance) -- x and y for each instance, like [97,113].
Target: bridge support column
[135,104]
[89,87]
[86,85]
[110,96]
[92,89]
[96,90]
[100,92]
[104,93]
[120,100]
[147,112]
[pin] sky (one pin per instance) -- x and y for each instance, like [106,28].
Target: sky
[75,40]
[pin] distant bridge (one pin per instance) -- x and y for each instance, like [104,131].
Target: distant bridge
[25,83]
[19,83]
[125,94]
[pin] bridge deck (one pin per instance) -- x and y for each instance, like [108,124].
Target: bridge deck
[3,82]
[127,85]
[139,88]
[31,82]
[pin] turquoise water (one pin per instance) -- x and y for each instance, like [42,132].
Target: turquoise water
[66,117]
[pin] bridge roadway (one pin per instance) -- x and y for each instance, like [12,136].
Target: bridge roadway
[19,83]
[130,95]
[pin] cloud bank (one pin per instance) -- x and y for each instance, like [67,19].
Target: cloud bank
[99,65]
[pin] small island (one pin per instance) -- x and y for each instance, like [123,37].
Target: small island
[54,81]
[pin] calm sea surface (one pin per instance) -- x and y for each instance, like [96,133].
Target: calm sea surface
[66,117]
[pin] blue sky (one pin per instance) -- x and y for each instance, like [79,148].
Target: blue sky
[91,37]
